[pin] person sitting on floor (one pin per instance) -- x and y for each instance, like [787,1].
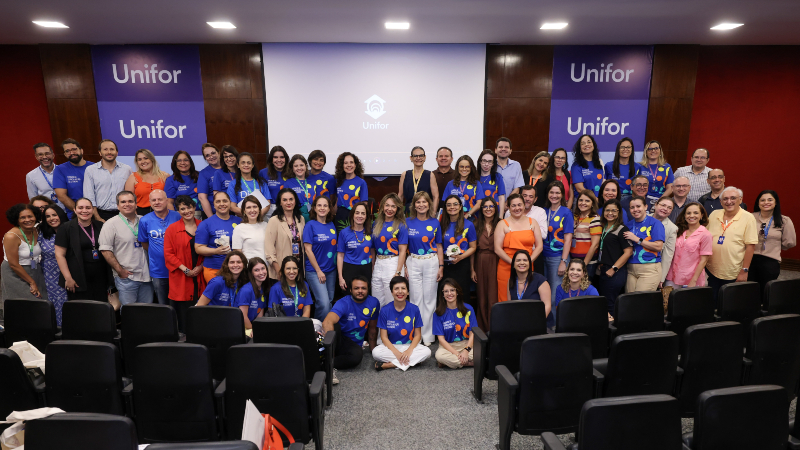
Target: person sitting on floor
[400,325]
[452,323]
[355,319]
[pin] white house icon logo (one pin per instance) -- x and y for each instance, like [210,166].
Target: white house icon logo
[375,106]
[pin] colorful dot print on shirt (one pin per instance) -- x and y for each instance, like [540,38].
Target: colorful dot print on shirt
[390,238]
[453,325]
[423,236]
[495,188]
[354,317]
[400,325]
[559,223]
[650,230]
[355,245]
[322,237]
[590,176]
[469,193]
[622,179]
[351,192]
[321,184]
[462,239]
[658,177]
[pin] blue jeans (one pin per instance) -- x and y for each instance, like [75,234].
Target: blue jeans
[134,291]
[323,292]
[161,288]
[612,287]
[551,273]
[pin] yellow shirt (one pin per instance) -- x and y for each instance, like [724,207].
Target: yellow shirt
[727,258]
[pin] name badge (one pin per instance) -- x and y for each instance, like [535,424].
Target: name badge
[33,264]
[95,255]
[295,249]
[53,197]
[721,240]
[137,244]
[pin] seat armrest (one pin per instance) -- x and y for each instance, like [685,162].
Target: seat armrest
[219,392]
[678,380]
[328,344]
[127,391]
[127,397]
[480,335]
[59,335]
[599,378]
[747,365]
[126,382]
[551,442]
[297,446]
[481,343]
[317,384]
[793,444]
[507,386]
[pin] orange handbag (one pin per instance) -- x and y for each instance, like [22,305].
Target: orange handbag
[272,437]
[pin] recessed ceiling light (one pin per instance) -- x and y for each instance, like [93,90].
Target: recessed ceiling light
[221,25]
[46,24]
[727,26]
[554,26]
[397,25]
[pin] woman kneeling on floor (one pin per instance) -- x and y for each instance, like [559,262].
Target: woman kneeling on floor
[452,323]
[400,325]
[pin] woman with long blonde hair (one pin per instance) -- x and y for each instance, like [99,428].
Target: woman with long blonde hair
[147,178]
[390,235]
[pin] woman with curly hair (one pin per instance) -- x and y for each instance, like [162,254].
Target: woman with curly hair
[223,288]
[575,284]
[350,187]
[22,274]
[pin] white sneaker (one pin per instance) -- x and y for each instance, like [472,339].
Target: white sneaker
[335,379]
[427,344]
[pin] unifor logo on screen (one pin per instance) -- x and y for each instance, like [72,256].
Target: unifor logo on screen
[375,110]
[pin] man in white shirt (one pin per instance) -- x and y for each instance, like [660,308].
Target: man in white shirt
[508,168]
[661,211]
[697,174]
[104,180]
[536,213]
[39,181]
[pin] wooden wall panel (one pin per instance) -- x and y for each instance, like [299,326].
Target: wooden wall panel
[233,92]
[672,86]
[71,101]
[518,90]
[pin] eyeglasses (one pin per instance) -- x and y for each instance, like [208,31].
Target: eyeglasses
[626,147]
[417,156]
[487,161]
[560,158]
[640,185]
[230,157]
[488,207]
[612,211]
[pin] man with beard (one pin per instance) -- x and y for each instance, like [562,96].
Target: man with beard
[102,181]
[68,177]
[39,181]
[356,317]
[508,168]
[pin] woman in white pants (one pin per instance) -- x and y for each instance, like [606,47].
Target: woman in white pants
[400,328]
[390,237]
[424,266]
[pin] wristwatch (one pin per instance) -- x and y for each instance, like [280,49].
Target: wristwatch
[640,241]
[746,270]
[565,261]
[615,268]
[186,272]
[468,349]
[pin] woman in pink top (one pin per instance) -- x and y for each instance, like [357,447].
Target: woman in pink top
[692,248]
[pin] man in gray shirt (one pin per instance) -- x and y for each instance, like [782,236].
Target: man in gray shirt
[697,174]
[124,253]
[102,181]
[39,181]
[680,192]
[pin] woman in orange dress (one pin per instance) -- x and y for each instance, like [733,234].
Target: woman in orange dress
[147,178]
[517,232]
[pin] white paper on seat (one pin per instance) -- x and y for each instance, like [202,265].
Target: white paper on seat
[253,426]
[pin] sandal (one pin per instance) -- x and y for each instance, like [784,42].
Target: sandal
[379,366]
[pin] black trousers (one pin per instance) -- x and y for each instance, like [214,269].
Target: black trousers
[716,283]
[762,270]
[180,310]
[460,272]
[348,353]
[106,214]
[538,265]
[350,271]
[143,210]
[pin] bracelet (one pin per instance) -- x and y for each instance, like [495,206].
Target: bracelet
[441,265]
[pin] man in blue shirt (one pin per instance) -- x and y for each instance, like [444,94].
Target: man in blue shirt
[152,228]
[510,170]
[68,177]
[355,318]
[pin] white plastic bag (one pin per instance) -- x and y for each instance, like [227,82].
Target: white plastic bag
[31,356]
[14,436]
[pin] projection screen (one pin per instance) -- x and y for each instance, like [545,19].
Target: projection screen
[375,100]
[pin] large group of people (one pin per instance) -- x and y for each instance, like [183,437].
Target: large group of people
[291,239]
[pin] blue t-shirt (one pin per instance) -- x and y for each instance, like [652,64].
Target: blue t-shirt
[354,317]
[292,307]
[247,188]
[559,223]
[247,297]
[400,325]
[356,246]
[151,230]
[423,235]
[274,185]
[623,179]
[469,193]
[351,192]
[591,177]
[219,293]
[453,325]
[173,188]
[302,189]
[322,183]
[493,189]
[69,177]
[322,237]
[467,235]
[658,177]
[211,229]
[390,239]
[205,184]
[649,229]
[222,180]
[560,295]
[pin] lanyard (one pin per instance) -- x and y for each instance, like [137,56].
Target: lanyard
[303,186]
[765,230]
[576,295]
[134,230]
[91,238]
[524,288]
[461,186]
[30,246]
[416,180]
[248,188]
[533,183]
[725,226]
[295,293]
[551,214]
[603,236]
[44,174]
[653,172]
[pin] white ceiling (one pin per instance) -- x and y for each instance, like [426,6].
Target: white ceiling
[432,21]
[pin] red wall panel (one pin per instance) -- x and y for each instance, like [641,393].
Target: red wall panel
[24,119]
[745,112]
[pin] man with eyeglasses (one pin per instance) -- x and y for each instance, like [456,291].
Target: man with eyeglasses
[39,181]
[418,179]
[711,201]
[734,235]
[640,186]
[68,177]
[536,213]
[509,169]
[205,179]
[680,192]
[697,174]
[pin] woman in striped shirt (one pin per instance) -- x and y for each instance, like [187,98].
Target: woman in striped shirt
[586,238]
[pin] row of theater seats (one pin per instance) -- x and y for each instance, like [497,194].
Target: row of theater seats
[81,431]
[642,312]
